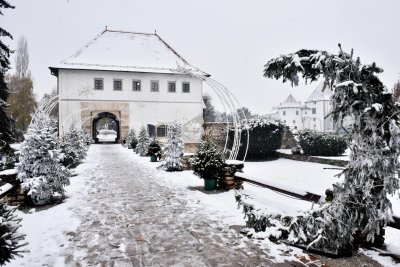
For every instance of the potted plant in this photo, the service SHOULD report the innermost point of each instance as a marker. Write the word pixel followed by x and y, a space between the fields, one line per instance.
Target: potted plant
pixel 208 164
pixel 154 150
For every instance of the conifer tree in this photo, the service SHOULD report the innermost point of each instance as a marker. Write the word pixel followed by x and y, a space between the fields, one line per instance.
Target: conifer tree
pixel 143 142
pixel 40 169
pixel 173 148
pixel 10 239
pixel 77 143
pixel 360 206
pixel 131 139
pixel 6 136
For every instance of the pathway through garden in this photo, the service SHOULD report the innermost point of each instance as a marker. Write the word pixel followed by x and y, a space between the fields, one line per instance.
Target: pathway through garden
pixel 128 218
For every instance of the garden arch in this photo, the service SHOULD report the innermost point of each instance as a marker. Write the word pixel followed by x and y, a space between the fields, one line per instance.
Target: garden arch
pixel 109 116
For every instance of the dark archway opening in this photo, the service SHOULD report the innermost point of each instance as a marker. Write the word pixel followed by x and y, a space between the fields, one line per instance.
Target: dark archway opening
pixel 106 128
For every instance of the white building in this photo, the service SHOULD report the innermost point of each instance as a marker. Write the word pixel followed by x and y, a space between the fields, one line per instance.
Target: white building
pixel 312 115
pixel 136 79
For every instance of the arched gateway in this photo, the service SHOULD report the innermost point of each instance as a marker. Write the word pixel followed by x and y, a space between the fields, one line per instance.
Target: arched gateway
pixel 134 78
pixel 105 121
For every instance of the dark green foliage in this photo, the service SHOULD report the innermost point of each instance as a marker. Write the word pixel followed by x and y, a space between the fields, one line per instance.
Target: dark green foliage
pixel 322 144
pixel 207 161
pixel 134 143
pixel 265 138
pixel 6 136
pixel 10 239
pixel 360 202
pixel 154 149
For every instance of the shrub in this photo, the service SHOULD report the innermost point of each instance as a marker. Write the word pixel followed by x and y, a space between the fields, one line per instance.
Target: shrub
pixel 154 149
pixel 207 161
pixel 265 138
pixel 322 144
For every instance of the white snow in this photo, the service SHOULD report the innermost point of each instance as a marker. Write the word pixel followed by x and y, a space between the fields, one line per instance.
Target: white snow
pixel 127 51
pixel 46 230
pixel 107 135
pixel 4 188
pixel 9 172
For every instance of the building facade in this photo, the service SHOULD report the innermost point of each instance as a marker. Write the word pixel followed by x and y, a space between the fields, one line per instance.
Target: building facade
pixel 136 79
pixel 314 114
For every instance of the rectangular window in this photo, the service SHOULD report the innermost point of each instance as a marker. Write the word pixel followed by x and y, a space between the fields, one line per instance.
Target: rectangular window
pixel 117 85
pixel 171 87
pixel 98 84
pixel 313 119
pixel 284 113
pixel 314 111
pixel 297 113
pixel 284 121
pixel 154 86
pixel 136 85
pixel 186 87
pixel 161 131
pixel 294 121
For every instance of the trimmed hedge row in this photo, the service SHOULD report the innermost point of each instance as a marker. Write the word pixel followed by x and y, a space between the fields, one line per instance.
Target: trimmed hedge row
pixel 265 138
pixel 322 144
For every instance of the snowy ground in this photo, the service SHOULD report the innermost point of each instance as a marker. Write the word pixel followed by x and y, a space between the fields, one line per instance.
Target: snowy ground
pixel 123 210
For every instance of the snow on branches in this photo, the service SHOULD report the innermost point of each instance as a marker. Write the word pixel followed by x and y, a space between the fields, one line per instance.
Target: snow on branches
pixel 40 171
pixel 143 142
pixel 360 205
pixel 173 148
pixel 10 239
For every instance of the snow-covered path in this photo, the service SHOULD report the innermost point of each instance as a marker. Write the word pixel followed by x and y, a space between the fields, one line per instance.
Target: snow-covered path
pixel 128 218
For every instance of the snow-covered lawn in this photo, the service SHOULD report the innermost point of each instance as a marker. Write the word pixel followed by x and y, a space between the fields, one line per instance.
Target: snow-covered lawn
pixel 47 230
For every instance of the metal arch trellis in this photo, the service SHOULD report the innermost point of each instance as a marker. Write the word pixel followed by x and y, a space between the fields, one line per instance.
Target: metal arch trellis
pixel 229 101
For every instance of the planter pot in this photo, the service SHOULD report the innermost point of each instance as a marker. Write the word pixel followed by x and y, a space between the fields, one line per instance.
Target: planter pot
pixel 153 158
pixel 210 184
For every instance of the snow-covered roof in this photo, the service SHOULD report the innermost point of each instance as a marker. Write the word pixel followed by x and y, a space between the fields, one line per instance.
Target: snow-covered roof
pixel 128 51
pixel 319 94
pixel 290 102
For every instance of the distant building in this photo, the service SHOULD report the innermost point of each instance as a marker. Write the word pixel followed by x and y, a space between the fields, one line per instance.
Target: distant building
pixel 312 115
pixel 136 79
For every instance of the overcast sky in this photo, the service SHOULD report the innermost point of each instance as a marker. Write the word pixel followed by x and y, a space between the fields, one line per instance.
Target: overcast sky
pixel 231 40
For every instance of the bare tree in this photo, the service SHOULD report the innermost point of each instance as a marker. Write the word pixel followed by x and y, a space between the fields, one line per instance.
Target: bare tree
pixel 22 58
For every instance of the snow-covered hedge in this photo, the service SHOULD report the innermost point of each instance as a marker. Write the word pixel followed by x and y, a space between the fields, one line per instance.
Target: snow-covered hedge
pixel 322 144
pixel 265 138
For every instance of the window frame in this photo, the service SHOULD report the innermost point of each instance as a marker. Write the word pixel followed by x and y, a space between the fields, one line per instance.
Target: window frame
pixel 102 84
pixel 314 111
pixel 183 87
pixel 122 84
pixel 169 83
pixel 154 82
pixel 163 128
pixel 134 83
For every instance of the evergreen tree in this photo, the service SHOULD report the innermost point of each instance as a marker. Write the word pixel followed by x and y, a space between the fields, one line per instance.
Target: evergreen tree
pixel 10 239
pixel 173 148
pixel 77 143
pixel 131 139
pixel 5 123
pixel 360 205
pixel 40 169
pixel 143 142
pixel 209 114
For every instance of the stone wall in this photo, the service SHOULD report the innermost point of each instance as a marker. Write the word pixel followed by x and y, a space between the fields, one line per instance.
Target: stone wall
pixel 215 132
